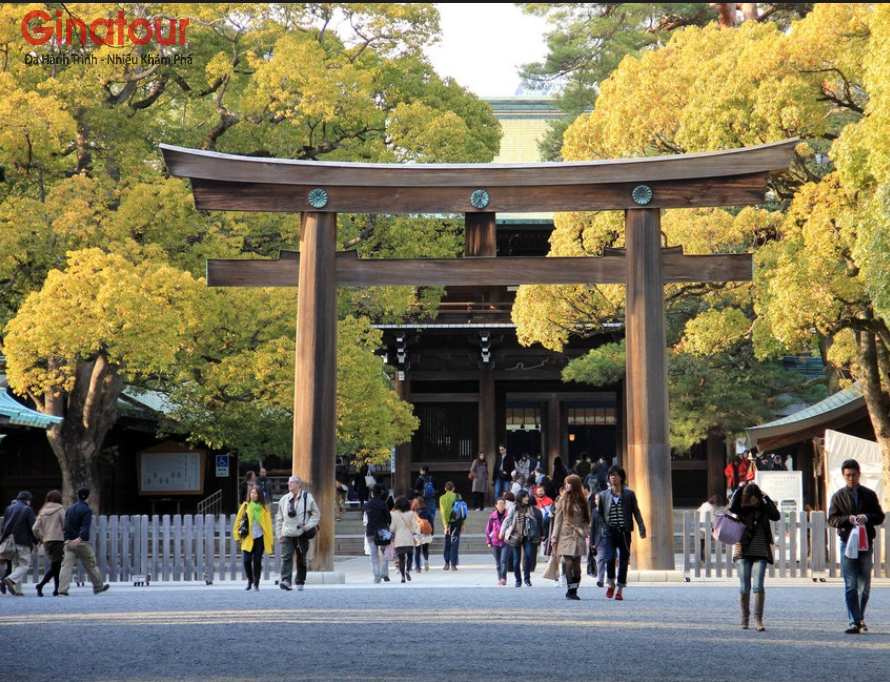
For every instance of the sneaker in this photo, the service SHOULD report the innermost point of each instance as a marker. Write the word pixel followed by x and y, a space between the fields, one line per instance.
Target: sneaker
pixel 600 583
pixel 286 586
pixel 862 626
pixel 518 584
pixel 427 568
pixel 100 590
pixel 528 583
pixel 403 580
pixel 610 592
pixel 385 578
pixel 852 630
pixel 446 567
pixel 619 596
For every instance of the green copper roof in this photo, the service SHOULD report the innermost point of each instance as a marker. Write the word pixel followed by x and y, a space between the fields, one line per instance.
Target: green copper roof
pixel 839 405
pixel 13 412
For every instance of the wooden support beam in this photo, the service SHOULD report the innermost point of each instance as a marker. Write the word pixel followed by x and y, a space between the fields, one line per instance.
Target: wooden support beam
pixel 648 432
pixel 315 383
pixel 482 271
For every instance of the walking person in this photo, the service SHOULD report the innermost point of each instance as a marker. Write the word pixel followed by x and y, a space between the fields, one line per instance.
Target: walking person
pixel 479 477
pixel 378 519
pixel 855 507
pixel 453 526
pixel 755 550
pixel 295 524
pixel 407 532
pixel 78 520
pixel 18 520
pixel 50 530
pixel 503 471
pixel 495 542
pixel 618 509
pixel 248 483
pixel 425 488
pixel 599 541
pixel 425 523
pixel 517 531
pixel 571 528
pixel 258 539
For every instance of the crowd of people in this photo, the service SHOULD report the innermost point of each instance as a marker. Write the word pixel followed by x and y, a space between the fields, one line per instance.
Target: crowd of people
pixel 563 516
pixel 65 535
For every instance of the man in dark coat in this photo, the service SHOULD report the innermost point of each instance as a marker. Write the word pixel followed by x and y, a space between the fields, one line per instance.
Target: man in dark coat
pixel 78 520
pixel 17 522
pixel 855 506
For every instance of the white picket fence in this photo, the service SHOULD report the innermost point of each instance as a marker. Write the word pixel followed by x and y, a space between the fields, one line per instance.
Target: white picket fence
pixel 805 547
pixel 190 548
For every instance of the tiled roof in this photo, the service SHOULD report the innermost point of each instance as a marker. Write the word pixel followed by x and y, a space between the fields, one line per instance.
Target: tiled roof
pixel 836 406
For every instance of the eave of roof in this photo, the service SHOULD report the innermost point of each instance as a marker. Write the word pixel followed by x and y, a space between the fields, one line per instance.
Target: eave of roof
pixel 841 408
pixel 19 415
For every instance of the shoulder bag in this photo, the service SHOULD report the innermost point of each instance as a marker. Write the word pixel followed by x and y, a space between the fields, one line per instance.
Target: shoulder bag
pixel 308 533
pixel 8 549
pixel 244 527
pixel 728 529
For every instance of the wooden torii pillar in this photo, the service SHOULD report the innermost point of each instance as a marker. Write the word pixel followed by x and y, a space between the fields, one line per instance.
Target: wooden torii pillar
pixel 640 187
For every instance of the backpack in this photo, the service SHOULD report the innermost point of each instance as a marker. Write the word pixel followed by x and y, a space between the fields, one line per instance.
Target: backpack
pixel 429 488
pixel 459 510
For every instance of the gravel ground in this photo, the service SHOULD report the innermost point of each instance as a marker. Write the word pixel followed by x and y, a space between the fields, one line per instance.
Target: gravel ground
pixel 447 626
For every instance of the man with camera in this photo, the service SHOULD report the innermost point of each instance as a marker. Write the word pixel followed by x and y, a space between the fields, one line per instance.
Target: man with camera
pixel 295 524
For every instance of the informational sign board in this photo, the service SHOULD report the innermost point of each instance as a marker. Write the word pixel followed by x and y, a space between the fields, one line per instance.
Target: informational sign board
pixel 785 488
pixel 167 473
pixel 222 466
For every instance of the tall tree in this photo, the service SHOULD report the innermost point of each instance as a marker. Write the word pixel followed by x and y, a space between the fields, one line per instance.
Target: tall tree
pixel 79 130
pixel 820 240
pixel 589 40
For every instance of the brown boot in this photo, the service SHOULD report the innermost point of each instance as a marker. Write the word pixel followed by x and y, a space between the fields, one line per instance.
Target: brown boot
pixel 759 598
pixel 745 605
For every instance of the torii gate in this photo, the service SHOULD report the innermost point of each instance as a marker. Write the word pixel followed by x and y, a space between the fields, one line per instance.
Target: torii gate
pixel 641 187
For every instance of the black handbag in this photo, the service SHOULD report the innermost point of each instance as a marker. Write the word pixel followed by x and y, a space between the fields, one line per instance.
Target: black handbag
pixel 244 528
pixel 383 537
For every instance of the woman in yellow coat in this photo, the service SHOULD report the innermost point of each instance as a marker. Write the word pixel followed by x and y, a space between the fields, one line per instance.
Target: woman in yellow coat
pixel 255 535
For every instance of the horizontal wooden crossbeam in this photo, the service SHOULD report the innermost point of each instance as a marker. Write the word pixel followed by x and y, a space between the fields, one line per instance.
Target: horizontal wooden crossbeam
pixel 506 271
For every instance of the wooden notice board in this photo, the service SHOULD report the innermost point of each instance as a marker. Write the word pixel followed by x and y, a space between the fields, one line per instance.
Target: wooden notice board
pixel 171 473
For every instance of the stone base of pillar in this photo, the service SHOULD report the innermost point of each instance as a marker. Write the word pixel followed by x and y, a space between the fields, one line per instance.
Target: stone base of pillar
pixel 655 577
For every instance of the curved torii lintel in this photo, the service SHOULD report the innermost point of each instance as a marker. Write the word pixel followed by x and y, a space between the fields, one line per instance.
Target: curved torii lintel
pixel 233 182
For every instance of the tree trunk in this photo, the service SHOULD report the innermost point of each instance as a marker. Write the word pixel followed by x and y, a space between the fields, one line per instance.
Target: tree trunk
pixel 877 400
pixel 89 411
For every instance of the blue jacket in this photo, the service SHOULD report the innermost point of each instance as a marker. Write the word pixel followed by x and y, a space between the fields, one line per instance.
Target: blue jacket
pixel 23 534
pixel 78 520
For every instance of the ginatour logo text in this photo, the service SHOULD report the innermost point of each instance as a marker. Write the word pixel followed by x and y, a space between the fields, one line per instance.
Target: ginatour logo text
pixel 117 31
